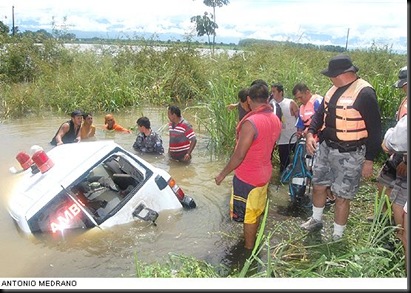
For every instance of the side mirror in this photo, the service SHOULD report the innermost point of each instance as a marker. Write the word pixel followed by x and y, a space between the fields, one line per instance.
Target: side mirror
pixel 144 213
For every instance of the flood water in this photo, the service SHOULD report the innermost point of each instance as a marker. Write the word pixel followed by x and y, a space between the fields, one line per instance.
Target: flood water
pixel 205 232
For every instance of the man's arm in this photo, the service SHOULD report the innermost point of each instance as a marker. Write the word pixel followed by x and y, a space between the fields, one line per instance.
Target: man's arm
pixel 137 145
pixel 78 138
pixel 317 119
pixel 367 105
pixel 395 139
pixel 64 128
pixel 118 127
pixel 92 131
pixel 232 106
pixel 295 111
pixel 245 139
pixel 193 142
pixel 158 147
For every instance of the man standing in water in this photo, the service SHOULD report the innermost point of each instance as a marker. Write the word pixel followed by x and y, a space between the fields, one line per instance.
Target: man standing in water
pixel 182 136
pixel 69 131
pixel 256 135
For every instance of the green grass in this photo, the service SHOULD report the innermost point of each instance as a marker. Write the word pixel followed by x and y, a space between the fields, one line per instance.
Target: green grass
pixel 284 250
pixel 36 79
pixel 50 77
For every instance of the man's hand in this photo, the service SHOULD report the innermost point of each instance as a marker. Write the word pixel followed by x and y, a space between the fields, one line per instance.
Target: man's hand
pixel 384 147
pixel 231 107
pixel 367 169
pixel 187 157
pixel 310 143
pixel 219 178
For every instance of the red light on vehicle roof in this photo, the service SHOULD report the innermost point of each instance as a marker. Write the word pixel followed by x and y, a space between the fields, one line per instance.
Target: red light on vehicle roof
pixel 42 161
pixel 24 159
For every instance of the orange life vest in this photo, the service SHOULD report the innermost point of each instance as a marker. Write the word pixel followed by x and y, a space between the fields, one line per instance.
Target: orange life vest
pixel 350 125
pixel 307 110
pixel 402 110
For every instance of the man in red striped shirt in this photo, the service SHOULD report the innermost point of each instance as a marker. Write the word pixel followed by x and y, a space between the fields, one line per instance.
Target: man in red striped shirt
pixel 182 136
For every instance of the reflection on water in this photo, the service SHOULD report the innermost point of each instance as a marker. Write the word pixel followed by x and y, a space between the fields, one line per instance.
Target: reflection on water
pixel 205 232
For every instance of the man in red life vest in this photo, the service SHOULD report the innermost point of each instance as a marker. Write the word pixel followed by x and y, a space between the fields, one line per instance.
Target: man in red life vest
pixel 309 103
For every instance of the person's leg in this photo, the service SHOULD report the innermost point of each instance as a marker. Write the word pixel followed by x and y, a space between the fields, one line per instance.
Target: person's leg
pixel 319 198
pixel 398 197
pixel 405 236
pixel 250 233
pixel 385 182
pixel 322 177
pixel 246 205
pixel 283 153
pixel 342 210
pixel 330 196
pixel 347 169
pixel 319 195
pixel 256 202
pixel 398 211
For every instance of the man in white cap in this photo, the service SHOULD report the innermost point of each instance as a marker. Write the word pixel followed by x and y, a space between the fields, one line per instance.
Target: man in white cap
pixel 348 123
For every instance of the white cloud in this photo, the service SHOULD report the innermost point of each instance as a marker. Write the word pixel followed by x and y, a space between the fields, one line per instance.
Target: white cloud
pixel 367 20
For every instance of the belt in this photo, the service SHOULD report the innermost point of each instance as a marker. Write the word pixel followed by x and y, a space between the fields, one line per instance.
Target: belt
pixel 345 147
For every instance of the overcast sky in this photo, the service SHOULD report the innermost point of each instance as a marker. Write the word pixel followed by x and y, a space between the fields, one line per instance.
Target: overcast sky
pixel 383 22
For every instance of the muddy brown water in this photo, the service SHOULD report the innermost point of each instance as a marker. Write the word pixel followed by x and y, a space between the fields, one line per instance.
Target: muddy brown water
pixel 205 232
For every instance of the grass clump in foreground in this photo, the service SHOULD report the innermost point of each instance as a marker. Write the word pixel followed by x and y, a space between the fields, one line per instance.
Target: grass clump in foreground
pixel 284 250
pixel 178 266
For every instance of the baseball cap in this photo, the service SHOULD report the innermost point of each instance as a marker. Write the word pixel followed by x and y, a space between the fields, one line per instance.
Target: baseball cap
pixel 402 78
pixel 76 113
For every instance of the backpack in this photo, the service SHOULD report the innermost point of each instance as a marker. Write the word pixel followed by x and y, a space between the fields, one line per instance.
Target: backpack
pixel 276 108
pixel 298 175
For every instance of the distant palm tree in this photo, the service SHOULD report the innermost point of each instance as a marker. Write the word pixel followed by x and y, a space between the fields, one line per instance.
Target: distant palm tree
pixel 4 29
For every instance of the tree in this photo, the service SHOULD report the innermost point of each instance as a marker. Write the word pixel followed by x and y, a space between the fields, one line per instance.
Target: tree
pixel 15 30
pixel 214 4
pixel 60 31
pixel 4 29
pixel 44 33
pixel 204 26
